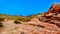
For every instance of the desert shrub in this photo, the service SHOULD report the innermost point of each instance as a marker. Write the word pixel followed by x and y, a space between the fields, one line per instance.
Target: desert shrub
pixel 1 24
pixel 16 22
pixel 24 19
pixel 1 19
pixel 22 33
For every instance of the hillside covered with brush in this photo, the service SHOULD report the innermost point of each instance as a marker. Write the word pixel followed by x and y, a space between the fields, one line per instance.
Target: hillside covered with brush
pixel 19 18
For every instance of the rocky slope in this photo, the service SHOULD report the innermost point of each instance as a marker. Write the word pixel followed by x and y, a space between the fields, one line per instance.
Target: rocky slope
pixel 49 23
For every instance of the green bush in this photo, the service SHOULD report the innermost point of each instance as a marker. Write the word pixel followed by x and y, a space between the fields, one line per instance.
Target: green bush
pixel 16 22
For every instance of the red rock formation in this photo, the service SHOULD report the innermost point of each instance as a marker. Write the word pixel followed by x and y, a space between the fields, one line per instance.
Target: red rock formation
pixel 50 20
pixel 55 8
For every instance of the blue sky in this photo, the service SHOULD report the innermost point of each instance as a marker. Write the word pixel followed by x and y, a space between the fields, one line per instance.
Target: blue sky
pixel 25 7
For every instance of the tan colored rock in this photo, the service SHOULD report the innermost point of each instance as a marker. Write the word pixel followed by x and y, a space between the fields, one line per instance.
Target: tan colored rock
pixel 8 21
pixel 26 29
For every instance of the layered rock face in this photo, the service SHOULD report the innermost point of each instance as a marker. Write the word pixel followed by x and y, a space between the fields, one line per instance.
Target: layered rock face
pixel 55 8
pixel 49 23
pixel 53 15
pixel 50 20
